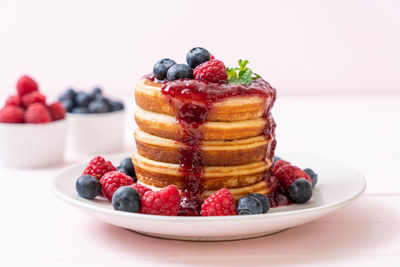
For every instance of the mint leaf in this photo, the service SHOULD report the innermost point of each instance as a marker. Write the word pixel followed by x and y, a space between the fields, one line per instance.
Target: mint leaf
pixel 242 74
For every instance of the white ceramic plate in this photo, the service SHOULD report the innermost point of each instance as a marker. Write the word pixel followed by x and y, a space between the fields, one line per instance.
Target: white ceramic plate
pixel 338 185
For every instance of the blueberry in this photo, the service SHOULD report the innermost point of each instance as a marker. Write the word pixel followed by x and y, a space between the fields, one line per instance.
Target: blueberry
pixel 264 201
pixel 128 166
pixel 276 159
pixel 196 56
pixel 82 99
pixel 120 169
pixel 68 94
pixel 88 186
pixel 300 191
pixel 96 93
pixel 161 67
pixel 126 199
pixel 313 176
pixel 99 106
pixel 68 104
pixel 79 110
pixel 179 71
pixel 250 205
pixel 116 105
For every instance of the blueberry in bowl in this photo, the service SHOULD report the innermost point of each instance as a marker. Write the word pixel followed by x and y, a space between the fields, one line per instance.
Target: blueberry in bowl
pixel 96 122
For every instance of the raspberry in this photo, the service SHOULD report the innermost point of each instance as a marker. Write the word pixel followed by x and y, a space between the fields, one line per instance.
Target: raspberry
pixel 33 97
pixel 163 202
pixel 213 71
pixel 13 100
pixel 111 181
pixel 212 56
pixel 25 85
pixel 37 113
pixel 280 163
pixel 221 203
pixel 287 174
pixel 12 114
pixel 141 189
pixel 97 167
pixel 57 111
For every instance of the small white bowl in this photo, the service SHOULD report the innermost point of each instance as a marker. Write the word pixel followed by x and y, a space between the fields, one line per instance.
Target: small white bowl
pixel 32 145
pixel 95 133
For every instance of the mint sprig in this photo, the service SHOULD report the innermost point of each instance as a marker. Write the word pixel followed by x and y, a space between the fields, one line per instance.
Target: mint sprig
pixel 242 74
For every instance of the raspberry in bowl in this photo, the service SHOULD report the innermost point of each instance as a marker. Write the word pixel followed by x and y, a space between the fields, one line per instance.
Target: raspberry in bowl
pixel 32 130
pixel 96 122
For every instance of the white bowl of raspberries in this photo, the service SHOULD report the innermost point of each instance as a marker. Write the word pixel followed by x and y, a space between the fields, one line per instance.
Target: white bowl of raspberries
pixel 96 122
pixel 32 131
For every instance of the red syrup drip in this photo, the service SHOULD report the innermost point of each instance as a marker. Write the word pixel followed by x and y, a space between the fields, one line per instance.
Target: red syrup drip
pixel 194 99
pixel 149 76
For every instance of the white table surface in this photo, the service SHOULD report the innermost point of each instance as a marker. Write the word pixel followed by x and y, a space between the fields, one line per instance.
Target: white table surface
pixel 37 229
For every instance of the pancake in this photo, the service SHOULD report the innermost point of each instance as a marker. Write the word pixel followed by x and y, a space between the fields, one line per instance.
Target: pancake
pixel 262 187
pixel 161 174
pixel 148 96
pixel 165 126
pixel 215 153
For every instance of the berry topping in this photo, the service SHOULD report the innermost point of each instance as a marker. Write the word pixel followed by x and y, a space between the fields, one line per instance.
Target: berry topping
pixel 88 186
pixel 279 163
pixel 242 74
pixel 99 106
pixel 221 203
pixel 161 68
pixel 33 97
pixel 163 202
pixel 97 167
pixel 264 201
pixel 12 114
pixel 111 181
pixel 25 85
pixel 13 100
pixel 57 111
pixel 141 189
pixel 120 169
pixel 196 56
pixel 37 113
pixel 253 204
pixel 300 191
pixel 313 176
pixel 179 71
pixel 128 166
pixel 287 174
pixel 126 198
pixel 212 71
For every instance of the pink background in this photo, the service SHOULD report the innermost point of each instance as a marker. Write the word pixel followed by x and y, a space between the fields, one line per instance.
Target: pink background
pixel 299 46
pixel 336 65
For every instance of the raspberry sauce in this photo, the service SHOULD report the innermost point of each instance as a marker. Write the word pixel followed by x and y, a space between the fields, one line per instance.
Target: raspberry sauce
pixel 194 100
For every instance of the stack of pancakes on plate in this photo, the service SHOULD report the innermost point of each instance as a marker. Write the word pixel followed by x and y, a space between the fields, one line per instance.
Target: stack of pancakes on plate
pixel 237 147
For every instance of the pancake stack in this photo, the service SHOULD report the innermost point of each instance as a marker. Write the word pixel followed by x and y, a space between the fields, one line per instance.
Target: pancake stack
pixel 236 147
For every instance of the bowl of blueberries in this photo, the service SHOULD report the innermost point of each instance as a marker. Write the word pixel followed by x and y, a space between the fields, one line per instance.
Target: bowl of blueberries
pixel 96 122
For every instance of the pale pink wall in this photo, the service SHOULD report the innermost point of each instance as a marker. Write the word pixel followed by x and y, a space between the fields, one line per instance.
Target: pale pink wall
pixel 313 46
